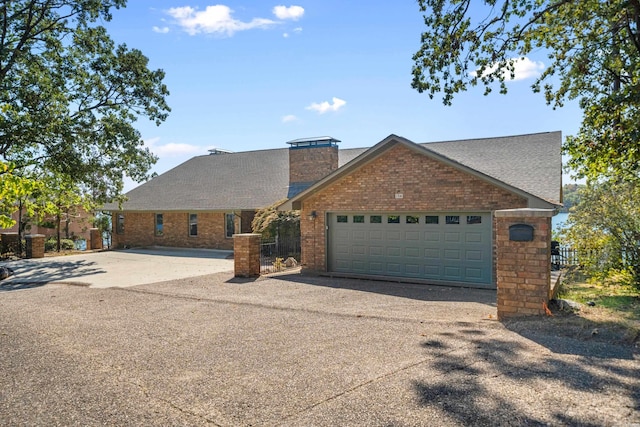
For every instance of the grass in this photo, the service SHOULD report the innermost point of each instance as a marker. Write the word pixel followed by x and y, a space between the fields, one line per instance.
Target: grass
pixel 610 308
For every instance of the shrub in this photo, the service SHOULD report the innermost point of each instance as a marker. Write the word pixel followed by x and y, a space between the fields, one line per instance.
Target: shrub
pixel 50 244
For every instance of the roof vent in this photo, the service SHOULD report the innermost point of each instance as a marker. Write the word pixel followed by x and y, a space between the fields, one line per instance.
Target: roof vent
pixel 216 151
pixel 318 141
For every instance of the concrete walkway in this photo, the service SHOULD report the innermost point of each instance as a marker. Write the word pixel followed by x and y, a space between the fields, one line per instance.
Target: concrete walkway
pixel 121 268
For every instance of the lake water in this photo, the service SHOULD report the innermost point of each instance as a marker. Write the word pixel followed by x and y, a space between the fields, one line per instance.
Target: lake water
pixel 559 220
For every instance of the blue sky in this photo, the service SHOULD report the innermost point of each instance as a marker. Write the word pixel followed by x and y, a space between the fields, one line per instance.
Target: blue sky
pixel 250 75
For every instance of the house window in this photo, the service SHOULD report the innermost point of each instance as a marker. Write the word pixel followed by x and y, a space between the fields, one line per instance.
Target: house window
pixel 159 225
pixel 474 219
pixel 193 224
pixel 412 219
pixel 431 219
pixel 393 219
pixel 358 219
pixel 452 219
pixel 375 219
pixel 342 218
pixel 120 224
pixel 229 224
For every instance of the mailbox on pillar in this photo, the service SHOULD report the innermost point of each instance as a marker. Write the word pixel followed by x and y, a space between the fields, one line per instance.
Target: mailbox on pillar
pixel 521 233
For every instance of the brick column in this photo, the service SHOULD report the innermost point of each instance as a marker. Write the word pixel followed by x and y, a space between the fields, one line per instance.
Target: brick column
pixel 523 266
pixel 35 245
pixel 9 242
pixel 246 254
pixel 95 235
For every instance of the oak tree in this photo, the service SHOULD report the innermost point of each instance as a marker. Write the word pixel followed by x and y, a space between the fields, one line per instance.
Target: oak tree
pixel 593 50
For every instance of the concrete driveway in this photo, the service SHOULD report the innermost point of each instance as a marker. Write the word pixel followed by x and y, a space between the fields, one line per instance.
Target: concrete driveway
pixel 121 268
pixel 298 351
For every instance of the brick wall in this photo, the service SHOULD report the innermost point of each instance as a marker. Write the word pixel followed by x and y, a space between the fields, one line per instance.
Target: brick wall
pixel 139 230
pixel 311 164
pixel 426 185
pixel 523 268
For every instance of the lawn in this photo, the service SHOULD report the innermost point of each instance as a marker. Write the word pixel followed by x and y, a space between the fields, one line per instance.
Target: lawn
pixel 610 310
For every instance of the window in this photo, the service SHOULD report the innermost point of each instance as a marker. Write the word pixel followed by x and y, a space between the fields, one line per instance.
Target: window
pixel 375 219
pixel 229 225
pixel 452 219
pixel 159 225
pixel 393 219
pixel 193 224
pixel 120 224
pixel 474 219
pixel 412 219
pixel 341 218
pixel 358 219
pixel 431 219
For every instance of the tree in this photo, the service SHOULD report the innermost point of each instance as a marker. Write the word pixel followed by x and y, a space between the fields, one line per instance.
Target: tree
pixel 69 97
pixel 272 223
pixel 605 229
pixel 594 52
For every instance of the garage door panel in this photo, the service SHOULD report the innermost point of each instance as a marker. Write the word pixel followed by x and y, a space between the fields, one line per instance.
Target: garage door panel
pixel 445 246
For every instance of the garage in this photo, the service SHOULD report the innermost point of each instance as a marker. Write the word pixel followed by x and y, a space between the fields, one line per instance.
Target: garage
pixel 452 247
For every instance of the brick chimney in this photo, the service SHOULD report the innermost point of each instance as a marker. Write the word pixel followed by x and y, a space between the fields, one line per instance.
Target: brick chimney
pixel 310 160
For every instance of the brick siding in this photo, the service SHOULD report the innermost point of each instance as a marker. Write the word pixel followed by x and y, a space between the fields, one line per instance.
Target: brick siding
pixel 311 164
pixel 426 185
pixel 139 230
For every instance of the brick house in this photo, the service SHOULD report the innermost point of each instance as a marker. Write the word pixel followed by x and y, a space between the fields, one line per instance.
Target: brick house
pixel 419 211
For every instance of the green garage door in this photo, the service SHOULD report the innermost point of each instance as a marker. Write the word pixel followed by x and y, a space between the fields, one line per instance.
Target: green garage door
pixel 443 247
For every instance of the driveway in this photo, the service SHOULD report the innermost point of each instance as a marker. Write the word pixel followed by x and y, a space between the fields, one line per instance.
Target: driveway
pixel 121 268
pixel 294 350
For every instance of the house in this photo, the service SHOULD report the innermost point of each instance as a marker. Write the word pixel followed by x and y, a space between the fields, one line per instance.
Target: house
pixel 402 209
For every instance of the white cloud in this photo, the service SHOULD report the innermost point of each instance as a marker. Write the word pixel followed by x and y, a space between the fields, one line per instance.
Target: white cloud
pixel 325 106
pixel 285 35
pixel 161 30
pixel 214 20
pixel 289 118
pixel 172 148
pixel 292 12
pixel 524 69
pixel 297 30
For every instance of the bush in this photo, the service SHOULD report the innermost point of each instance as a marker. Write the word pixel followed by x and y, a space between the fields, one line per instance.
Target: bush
pixel 50 244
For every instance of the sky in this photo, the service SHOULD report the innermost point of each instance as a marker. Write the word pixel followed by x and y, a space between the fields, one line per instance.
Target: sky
pixel 253 74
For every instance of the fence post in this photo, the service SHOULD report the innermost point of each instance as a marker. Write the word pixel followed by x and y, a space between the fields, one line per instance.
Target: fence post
pixel 246 254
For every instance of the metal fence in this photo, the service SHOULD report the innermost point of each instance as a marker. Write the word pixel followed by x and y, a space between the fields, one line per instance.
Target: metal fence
pixel 279 254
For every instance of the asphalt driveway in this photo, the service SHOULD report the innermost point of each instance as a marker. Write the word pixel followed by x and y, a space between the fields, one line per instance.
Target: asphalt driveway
pixel 296 350
pixel 121 268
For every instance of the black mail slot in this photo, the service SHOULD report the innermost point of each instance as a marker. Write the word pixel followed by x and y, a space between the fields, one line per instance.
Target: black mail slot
pixel 521 232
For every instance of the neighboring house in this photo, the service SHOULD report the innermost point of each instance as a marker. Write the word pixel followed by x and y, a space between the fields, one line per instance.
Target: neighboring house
pixel 422 211
pixel 77 227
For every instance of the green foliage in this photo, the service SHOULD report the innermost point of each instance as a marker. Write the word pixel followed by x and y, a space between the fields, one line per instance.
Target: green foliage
pixel 605 229
pixel 594 52
pixel 51 244
pixel 271 222
pixel 69 96
pixel 571 195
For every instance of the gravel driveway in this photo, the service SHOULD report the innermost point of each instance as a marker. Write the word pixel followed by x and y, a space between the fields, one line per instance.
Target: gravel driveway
pixel 295 350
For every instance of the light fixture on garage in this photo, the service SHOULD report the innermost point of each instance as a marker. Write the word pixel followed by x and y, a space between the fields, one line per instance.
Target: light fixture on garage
pixel 313 215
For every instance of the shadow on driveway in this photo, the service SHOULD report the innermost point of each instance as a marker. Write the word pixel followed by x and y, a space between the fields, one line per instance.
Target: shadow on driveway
pixel 404 290
pixel 34 273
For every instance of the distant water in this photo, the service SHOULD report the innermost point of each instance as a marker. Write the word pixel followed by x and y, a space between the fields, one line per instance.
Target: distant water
pixel 559 220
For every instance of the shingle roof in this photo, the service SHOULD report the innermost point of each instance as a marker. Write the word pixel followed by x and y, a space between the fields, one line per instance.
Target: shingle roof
pixel 255 179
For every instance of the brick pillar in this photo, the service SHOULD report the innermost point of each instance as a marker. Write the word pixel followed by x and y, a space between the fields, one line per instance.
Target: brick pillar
pixel 95 235
pixel 35 245
pixel 246 254
pixel 9 242
pixel 523 266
